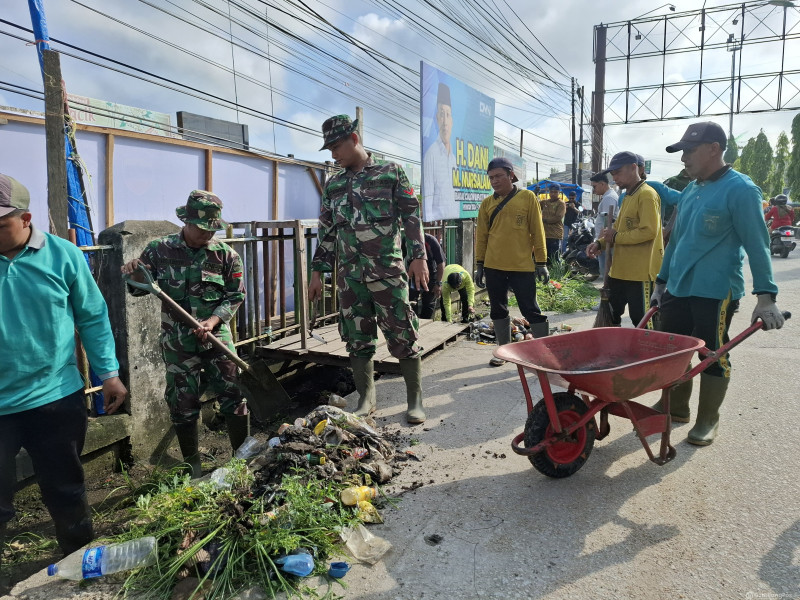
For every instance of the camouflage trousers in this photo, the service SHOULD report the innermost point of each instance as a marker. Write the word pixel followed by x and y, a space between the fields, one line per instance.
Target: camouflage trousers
pixel 194 369
pixel 365 306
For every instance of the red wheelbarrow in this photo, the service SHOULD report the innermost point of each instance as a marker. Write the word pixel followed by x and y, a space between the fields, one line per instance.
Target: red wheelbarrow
pixel 602 370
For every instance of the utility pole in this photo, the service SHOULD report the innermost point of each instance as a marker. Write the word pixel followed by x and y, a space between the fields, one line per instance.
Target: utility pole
pixel 580 142
pixel 360 129
pixel 598 105
pixel 574 165
pixel 521 133
pixel 54 144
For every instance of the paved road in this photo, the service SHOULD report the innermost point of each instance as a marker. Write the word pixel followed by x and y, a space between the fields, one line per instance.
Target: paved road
pixel 721 522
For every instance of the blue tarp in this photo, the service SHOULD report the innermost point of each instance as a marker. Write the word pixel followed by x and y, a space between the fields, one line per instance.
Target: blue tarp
pixel 566 188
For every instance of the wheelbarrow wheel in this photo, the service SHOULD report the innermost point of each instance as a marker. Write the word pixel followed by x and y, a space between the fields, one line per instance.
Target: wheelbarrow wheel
pixel 565 457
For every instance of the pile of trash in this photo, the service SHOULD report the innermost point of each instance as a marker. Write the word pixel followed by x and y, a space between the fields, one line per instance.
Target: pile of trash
pixel 274 514
pixel 483 331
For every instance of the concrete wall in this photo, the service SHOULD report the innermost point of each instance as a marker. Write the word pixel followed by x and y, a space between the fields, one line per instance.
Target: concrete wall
pixel 136 322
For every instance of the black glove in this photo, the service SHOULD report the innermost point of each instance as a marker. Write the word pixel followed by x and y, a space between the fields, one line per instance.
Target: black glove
pixel 479 276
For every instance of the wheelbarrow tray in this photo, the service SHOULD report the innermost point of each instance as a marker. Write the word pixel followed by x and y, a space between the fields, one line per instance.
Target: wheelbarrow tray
pixel 612 363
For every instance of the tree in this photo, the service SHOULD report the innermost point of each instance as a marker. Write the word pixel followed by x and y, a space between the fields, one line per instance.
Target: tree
pixel 793 171
pixel 731 151
pixel 777 180
pixel 757 159
pixel 746 157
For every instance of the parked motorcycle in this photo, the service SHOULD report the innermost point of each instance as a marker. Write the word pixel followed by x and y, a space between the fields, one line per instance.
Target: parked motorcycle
pixel 580 236
pixel 781 240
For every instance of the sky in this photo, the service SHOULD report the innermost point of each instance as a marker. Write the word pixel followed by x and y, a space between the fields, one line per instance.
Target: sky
pixel 288 65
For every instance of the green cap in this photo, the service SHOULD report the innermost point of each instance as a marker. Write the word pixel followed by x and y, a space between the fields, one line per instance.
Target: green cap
pixel 203 209
pixel 13 195
pixel 336 128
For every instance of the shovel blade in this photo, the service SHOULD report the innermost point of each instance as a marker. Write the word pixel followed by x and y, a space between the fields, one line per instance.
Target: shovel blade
pixel 265 395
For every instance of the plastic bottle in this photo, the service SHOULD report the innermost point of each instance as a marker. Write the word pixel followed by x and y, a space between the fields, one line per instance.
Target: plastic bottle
pixel 103 560
pixel 350 496
pixel 250 447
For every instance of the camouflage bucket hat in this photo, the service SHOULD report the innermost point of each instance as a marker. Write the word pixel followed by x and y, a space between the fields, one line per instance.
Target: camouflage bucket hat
pixel 336 128
pixel 203 209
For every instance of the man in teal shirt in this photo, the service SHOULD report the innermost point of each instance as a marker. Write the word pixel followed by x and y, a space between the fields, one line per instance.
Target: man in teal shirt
pixel 46 293
pixel 701 279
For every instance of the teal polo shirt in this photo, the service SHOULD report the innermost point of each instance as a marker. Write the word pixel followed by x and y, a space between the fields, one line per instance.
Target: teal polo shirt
pixel 46 293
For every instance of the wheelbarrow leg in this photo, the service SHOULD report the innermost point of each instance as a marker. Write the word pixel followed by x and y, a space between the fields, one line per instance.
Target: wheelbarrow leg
pixel 650 422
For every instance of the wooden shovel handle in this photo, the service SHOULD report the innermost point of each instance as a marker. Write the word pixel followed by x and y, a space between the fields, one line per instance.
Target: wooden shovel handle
pixel 177 309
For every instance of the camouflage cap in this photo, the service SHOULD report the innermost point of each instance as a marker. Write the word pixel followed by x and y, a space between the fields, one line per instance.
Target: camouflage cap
pixel 336 128
pixel 203 209
pixel 13 195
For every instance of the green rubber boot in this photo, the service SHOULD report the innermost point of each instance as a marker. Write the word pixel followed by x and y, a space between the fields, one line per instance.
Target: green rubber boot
pixel 188 440
pixel 411 368
pixel 679 403
pixel 364 378
pixel 712 393
pixel 238 427
pixel 502 334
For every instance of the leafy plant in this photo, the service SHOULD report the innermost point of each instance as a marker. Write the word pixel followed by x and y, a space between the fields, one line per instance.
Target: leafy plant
pixel 231 537
pixel 563 293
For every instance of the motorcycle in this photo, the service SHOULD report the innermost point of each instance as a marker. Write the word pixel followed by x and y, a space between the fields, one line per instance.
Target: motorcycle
pixel 580 236
pixel 781 240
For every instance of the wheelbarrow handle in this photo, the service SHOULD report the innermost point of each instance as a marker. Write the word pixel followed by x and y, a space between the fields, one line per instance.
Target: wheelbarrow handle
pixel 710 356
pixel 152 287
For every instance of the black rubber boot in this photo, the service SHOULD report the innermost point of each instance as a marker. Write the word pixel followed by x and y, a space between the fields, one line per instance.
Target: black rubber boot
pixel 238 427
pixel 679 403
pixel 411 368
pixel 364 378
pixel 540 330
pixel 74 526
pixel 712 394
pixel 502 334
pixel 188 440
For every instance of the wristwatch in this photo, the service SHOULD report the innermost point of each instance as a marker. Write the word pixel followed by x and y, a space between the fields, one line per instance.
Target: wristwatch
pixel 439 283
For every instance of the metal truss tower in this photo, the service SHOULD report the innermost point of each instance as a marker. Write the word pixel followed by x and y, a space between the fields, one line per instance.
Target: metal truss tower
pixel 684 65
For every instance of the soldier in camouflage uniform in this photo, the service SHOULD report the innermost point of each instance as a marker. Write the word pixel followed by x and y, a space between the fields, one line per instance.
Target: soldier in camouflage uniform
pixel 204 276
pixel 364 207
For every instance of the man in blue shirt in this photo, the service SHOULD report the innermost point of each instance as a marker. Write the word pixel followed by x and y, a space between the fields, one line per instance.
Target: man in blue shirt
pixel 701 279
pixel 46 293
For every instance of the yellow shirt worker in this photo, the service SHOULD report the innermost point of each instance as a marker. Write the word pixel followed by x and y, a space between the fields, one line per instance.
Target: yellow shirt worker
pixel 637 241
pixel 509 228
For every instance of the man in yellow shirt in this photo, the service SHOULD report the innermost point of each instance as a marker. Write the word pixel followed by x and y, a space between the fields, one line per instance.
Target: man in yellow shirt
pixel 509 226
pixel 553 211
pixel 636 237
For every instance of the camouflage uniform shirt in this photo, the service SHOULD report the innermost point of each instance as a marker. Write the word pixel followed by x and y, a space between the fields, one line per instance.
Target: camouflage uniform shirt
pixel 362 214
pixel 204 281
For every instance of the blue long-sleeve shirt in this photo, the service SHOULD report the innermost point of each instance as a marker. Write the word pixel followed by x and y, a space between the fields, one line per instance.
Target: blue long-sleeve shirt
pixel 46 292
pixel 718 221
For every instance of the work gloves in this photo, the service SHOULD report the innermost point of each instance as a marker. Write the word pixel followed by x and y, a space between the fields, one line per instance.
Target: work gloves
pixel 542 274
pixel 768 312
pixel 658 291
pixel 479 276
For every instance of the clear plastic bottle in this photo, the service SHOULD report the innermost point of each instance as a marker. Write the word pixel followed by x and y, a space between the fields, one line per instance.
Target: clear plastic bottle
pixel 104 560
pixel 352 495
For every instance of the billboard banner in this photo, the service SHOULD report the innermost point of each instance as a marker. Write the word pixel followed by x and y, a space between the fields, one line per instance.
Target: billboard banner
pixel 457 140
pixel 103 113
pixel 520 164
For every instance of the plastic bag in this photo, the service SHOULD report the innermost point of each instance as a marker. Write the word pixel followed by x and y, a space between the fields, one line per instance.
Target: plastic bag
pixel 296 564
pixel 363 545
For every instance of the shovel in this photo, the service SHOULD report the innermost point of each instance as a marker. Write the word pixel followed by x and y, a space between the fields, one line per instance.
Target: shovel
pixel 262 389
pixel 313 324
